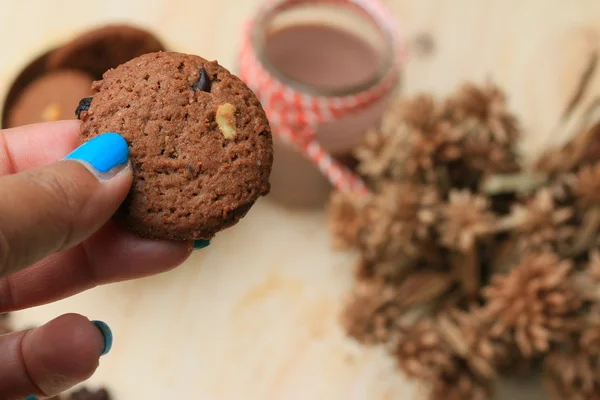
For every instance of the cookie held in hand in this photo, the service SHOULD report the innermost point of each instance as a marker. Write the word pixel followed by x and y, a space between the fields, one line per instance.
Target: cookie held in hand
pixel 200 143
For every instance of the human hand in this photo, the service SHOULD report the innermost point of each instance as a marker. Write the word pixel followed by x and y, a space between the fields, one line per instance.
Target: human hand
pixel 56 239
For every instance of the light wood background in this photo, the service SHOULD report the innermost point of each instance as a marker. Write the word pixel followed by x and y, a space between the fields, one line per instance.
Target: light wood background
pixel 254 316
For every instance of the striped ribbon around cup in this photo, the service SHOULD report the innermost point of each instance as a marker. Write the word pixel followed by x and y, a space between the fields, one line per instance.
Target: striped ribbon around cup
pixel 295 115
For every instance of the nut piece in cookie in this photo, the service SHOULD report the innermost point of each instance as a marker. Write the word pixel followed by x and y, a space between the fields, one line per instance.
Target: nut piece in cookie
pixel 225 118
pixel 200 143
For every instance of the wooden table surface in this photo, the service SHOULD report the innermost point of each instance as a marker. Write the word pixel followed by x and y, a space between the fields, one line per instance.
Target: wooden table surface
pixel 254 316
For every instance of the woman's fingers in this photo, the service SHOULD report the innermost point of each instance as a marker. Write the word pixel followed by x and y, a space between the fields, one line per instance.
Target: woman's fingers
pixel 52 358
pixel 52 208
pixel 111 255
pixel 36 145
pixel 47 207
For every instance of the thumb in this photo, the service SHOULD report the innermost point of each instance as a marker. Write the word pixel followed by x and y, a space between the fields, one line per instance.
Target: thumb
pixel 52 208
pixel 52 358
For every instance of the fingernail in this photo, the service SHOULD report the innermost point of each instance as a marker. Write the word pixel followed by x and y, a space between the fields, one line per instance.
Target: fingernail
pixel 200 244
pixel 103 153
pixel 108 336
pixel 32 397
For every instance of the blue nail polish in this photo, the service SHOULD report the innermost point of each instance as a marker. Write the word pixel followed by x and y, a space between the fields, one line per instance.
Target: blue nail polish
pixel 108 336
pixel 103 152
pixel 32 397
pixel 200 244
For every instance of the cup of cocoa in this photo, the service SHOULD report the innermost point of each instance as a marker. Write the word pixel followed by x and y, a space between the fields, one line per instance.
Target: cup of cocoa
pixel 49 87
pixel 325 71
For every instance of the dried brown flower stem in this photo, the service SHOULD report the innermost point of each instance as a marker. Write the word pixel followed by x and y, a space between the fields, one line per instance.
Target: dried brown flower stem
pixel 582 87
pixel 522 183
pixel 467 269
pixel 582 149
pixel 586 236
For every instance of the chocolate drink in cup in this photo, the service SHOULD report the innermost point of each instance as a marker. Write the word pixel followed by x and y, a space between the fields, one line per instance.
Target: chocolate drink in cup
pixel 326 60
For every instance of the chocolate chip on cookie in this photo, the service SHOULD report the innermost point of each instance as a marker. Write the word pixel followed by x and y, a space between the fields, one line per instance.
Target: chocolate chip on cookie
pixel 203 81
pixel 84 105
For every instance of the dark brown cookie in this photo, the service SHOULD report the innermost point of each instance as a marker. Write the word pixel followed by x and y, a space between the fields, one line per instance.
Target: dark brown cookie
pixel 51 97
pixel 200 143
pixel 86 394
pixel 104 48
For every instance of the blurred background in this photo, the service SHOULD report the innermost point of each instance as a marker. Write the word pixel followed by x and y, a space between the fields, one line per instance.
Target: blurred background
pixel 256 315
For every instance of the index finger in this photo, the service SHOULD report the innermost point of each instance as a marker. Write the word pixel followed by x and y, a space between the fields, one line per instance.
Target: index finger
pixel 34 145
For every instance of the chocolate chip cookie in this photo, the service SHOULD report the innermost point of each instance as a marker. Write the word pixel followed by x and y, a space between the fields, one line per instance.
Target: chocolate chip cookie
pixel 200 143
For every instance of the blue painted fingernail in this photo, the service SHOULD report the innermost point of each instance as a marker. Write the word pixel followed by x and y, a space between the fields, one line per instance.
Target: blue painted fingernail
pixel 103 152
pixel 108 336
pixel 32 397
pixel 200 244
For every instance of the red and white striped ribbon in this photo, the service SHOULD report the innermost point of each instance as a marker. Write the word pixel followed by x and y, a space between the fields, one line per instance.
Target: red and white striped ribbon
pixel 294 115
